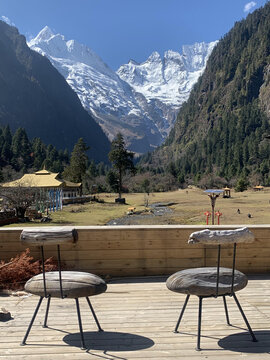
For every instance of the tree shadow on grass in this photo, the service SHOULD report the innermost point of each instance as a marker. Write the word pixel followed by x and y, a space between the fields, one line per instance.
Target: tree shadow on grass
pixel 242 342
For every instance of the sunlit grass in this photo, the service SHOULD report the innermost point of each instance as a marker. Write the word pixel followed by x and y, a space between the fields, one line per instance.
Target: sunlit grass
pixel 188 208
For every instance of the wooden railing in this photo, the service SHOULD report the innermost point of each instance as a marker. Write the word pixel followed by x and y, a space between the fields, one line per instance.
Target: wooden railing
pixel 145 250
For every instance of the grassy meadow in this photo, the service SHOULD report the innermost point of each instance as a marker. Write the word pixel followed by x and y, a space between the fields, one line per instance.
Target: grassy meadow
pixel 188 207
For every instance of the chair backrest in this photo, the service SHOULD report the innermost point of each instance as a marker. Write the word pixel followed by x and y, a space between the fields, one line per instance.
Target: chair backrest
pixel 220 237
pixel 49 236
pixel 242 235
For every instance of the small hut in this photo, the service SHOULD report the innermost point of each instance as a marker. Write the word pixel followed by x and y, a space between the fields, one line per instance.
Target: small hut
pixel 226 192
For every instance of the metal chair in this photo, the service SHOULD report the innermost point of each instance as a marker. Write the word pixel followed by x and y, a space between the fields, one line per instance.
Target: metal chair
pixel 60 284
pixel 212 281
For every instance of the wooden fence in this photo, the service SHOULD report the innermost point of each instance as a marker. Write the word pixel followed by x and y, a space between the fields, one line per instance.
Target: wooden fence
pixel 145 250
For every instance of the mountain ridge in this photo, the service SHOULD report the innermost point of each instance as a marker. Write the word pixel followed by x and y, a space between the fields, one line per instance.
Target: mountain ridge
pixel 178 72
pixel 33 95
pixel 221 131
pixel 116 104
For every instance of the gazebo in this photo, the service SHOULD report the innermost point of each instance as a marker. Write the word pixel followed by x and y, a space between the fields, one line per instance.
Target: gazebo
pixel 50 190
pixel 226 192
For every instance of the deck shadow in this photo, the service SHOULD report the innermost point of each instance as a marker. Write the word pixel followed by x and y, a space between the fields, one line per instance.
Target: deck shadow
pixel 109 341
pixel 242 342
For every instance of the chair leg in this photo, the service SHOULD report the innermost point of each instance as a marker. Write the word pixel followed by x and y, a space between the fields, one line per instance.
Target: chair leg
pixel 83 347
pixel 181 314
pixel 32 321
pixel 244 317
pixel 47 312
pixel 94 315
pixel 198 348
pixel 226 310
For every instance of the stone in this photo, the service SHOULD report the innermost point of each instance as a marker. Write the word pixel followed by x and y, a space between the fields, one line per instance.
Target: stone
pixel 75 284
pixel 202 281
pixel 120 200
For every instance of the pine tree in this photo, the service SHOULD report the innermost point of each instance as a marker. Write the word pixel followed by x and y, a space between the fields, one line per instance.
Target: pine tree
pixel 121 159
pixel 78 162
pixel 6 153
pixel 21 149
pixel 112 180
pixel 92 169
pixel 242 184
pixel 39 153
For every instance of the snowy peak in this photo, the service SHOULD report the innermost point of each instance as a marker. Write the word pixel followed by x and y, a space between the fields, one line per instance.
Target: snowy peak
pixel 46 42
pixel 140 100
pixel 196 55
pixel 173 63
pixel 131 61
pixel 170 79
pixel 154 57
pixel 45 34
pixel 56 47
pixel 136 74
pixel 173 56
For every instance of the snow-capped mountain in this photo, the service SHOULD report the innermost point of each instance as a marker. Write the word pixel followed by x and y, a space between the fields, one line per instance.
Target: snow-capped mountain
pixel 171 78
pixel 139 100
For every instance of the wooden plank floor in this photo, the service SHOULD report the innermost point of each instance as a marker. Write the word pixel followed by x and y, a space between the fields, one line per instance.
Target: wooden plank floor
pixel 138 316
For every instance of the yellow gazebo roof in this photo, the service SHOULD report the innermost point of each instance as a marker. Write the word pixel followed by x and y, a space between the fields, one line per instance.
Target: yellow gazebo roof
pixel 42 178
pixel 71 184
pixel 44 172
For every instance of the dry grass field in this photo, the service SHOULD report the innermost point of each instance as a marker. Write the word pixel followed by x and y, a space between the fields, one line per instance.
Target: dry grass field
pixel 188 207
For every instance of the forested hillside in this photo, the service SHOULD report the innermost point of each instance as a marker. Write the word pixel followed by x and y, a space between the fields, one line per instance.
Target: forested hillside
pixel 34 96
pixel 19 155
pixel 221 130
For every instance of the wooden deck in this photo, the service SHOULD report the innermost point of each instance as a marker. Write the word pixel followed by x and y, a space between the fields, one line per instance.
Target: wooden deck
pixel 138 316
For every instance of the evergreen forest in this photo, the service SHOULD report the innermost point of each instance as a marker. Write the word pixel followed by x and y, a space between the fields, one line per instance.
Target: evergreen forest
pixel 220 135
pixel 19 155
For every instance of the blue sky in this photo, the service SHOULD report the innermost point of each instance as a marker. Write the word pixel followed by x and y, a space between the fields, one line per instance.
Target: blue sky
pixel 119 30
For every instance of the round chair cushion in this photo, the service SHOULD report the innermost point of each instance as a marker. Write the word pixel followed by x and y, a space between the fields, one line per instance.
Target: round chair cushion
pixel 202 281
pixel 75 284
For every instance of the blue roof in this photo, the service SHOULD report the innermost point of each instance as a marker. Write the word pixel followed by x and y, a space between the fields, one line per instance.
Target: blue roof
pixel 213 191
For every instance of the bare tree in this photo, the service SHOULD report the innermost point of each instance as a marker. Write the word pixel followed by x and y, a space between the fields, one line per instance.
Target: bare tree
pixel 18 197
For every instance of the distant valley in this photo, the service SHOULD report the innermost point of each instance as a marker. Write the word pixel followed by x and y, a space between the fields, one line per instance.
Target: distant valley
pixel 204 112
pixel 139 100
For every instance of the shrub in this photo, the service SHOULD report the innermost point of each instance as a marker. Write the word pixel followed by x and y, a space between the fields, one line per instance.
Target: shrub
pixel 15 272
pixel 241 185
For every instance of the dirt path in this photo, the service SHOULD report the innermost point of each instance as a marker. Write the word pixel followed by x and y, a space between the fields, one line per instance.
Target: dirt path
pixel 157 209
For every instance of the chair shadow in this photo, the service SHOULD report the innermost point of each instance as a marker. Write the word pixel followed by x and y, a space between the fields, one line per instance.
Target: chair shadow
pixel 109 341
pixel 242 342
